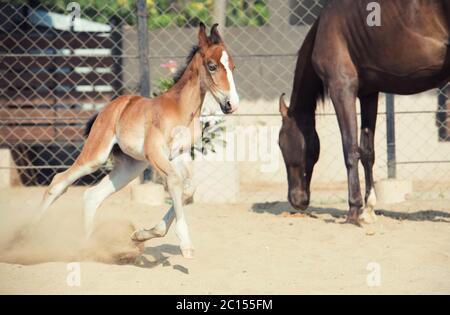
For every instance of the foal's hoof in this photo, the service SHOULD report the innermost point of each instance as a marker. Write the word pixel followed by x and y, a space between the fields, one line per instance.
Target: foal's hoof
pixel 138 236
pixel 187 253
pixel 188 194
pixel 141 235
pixel 187 200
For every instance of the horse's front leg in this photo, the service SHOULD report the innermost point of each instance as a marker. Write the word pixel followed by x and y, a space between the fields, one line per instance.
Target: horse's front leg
pixel 158 155
pixel 181 165
pixel 159 230
pixel 343 94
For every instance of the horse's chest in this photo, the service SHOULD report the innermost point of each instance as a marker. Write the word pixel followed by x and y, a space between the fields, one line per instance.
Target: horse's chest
pixel 183 138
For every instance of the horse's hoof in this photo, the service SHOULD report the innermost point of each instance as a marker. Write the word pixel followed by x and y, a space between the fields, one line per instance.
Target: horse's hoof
pixel 143 235
pixel 187 200
pixel 354 221
pixel 368 217
pixel 140 235
pixel 187 253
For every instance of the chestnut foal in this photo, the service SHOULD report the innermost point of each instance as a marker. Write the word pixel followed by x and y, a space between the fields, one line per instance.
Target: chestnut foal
pixel 140 131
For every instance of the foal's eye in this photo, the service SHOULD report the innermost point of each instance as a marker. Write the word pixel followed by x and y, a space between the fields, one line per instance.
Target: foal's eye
pixel 212 67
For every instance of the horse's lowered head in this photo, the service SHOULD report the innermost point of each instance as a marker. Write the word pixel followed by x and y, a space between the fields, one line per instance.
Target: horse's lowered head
pixel 217 70
pixel 300 146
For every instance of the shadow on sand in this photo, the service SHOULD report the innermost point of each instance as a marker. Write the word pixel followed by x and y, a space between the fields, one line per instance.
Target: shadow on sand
pixel 157 253
pixel 278 208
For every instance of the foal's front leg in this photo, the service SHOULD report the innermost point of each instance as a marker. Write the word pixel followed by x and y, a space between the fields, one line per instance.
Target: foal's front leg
pixel 160 230
pixel 175 187
pixel 157 154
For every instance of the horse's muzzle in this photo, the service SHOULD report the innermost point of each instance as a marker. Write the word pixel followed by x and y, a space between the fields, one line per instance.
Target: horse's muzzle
pixel 299 199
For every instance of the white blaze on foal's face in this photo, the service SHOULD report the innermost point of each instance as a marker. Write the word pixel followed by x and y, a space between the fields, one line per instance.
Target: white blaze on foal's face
pixel 219 68
pixel 232 93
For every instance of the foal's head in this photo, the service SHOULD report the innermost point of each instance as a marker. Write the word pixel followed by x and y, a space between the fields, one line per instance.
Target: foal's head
pixel 217 70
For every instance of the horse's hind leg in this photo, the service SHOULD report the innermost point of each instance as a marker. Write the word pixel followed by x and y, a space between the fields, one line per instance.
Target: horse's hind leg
pixel 95 152
pixel 369 109
pixel 59 186
pixel 125 169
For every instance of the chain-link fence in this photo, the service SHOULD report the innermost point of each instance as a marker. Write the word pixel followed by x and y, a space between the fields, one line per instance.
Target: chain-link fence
pixel 60 63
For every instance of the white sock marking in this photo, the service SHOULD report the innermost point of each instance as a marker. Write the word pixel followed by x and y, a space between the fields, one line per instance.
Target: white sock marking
pixel 372 200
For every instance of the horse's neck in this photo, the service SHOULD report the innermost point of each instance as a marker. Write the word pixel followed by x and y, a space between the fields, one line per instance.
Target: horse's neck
pixel 306 120
pixel 188 92
pixel 304 106
pixel 190 99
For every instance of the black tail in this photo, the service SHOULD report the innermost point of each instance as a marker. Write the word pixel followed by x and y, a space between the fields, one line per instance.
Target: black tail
pixel 89 124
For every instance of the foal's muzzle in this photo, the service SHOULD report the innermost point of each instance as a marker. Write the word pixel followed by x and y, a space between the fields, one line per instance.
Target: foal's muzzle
pixel 227 107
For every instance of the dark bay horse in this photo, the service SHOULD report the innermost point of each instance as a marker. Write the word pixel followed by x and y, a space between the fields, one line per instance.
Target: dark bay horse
pixel 342 54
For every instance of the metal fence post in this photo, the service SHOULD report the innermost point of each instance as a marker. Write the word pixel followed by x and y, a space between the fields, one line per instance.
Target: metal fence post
pixel 390 136
pixel 116 35
pixel 442 114
pixel 144 68
pixel 219 14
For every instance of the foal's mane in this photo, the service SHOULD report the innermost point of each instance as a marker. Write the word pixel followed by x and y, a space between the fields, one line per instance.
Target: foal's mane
pixel 183 68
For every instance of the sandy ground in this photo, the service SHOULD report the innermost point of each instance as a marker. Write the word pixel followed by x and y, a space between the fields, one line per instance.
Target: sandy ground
pixel 244 248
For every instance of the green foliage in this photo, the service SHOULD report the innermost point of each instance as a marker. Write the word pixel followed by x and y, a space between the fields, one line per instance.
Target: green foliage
pixel 165 13
pixel 243 13
pixel 196 12
pixel 163 84
pixel 212 129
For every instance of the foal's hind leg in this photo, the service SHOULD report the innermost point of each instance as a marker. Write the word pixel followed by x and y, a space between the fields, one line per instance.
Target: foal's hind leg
pixel 125 169
pixel 369 109
pixel 95 152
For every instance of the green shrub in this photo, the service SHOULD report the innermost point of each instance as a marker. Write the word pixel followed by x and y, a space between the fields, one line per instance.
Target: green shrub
pixel 165 13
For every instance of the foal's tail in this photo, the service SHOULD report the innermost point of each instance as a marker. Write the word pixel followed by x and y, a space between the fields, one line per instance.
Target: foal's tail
pixel 89 124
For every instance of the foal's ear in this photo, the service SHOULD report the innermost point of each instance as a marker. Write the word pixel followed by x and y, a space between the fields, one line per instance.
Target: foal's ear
pixel 215 37
pixel 202 37
pixel 284 110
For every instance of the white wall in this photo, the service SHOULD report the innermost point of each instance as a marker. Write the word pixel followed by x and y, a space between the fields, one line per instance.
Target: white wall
pixel 416 138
